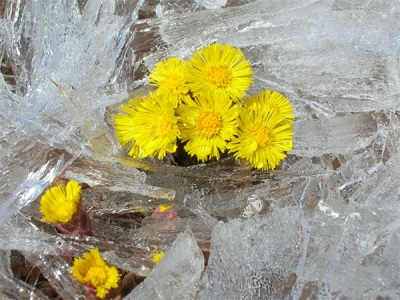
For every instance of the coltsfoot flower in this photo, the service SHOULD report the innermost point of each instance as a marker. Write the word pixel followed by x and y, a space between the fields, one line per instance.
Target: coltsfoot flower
pixel 124 128
pixel 164 213
pixel 273 100
pixel 163 207
pixel 207 123
pixel 170 78
pixel 93 272
pixel 60 204
pixel 220 67
pixel 264 136
pixel 157 255
pixel 155 126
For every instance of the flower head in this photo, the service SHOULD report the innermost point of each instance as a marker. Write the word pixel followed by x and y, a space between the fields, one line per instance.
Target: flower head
pixel 170 78
pixel 157 255
pixel 61 203
pixel 273 100
pixel 124 128
pixel 164 213
pixel 163 207
pixel 156 128
pixel 220 67
pixel 207 123
pixel 92 270
pixel 264 135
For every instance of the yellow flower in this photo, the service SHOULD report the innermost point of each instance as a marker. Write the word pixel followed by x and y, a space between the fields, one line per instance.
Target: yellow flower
pixel 170 78
pixel 164 213
pixel 156 128
pixel 124 127
pixel 157 255
pixel 163 208
pixel 93 270
pixel 264 135
pixel 274 101
pixel 207 123
pixel 61 203
pixel 220 67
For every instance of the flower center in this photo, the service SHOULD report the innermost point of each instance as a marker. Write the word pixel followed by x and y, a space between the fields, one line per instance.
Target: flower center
pixel 96 275
pixel 171 83
pixel 208 124
pixel 219 76
pixel 164 127
pixel 261 135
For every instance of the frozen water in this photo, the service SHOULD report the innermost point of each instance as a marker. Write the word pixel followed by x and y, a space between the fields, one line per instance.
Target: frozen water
pixel 12 288
pixel 211 4
pixel 344 249
pixel 177 275
pixel 271 243
pixel 326 225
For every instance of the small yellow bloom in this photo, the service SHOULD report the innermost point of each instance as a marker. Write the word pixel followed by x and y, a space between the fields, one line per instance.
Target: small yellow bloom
pixel 220 67
pixel 60 203
pixel 263 138
pixel 93 270
pixel 170 78
pixel 157 255
pixel 207 123
pixel 163 208
pixel 124 128
pixel 273 101
pixel 164 213
pixel 156 128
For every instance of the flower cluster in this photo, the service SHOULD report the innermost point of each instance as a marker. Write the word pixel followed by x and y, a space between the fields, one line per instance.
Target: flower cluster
pixel 202 103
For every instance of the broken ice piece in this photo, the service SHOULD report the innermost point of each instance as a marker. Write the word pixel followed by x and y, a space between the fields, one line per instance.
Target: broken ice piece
pixel 177 275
